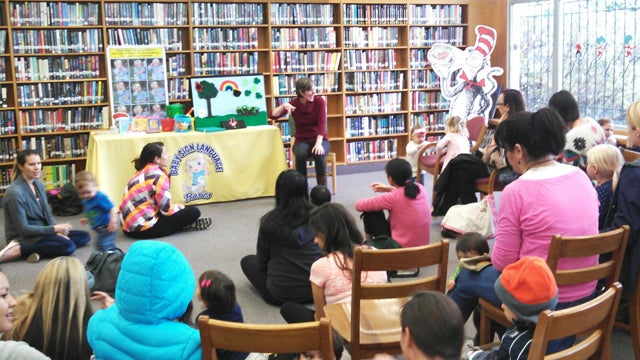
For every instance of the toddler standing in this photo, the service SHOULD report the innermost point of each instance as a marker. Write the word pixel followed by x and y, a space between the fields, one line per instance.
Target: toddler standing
pixel 456 140
pixel 98 211
pixel 414 147
pixel 604 163
pixel 218 294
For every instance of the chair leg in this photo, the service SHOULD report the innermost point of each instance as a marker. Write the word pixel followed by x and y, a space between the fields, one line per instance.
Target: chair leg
pixel 634 320
pixel 334 174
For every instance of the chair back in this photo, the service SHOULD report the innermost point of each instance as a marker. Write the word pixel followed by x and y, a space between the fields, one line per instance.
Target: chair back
pixel 593 321
pixel 477 129
pixel 380 304
pixel 630 155
pixel 614 242
pixel 265 338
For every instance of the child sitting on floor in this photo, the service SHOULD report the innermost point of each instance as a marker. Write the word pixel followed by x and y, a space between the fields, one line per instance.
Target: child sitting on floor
pixel 472 250
pixel 414 147
pixel 526 288
pixel 604 163
pixel 218 294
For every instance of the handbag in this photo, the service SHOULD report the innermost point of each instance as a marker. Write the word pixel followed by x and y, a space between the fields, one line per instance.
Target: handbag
pixel 475 217
pixel 494 156
pixel 104 265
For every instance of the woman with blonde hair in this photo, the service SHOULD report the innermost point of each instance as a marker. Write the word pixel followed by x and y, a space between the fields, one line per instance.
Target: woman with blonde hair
pixel 53 318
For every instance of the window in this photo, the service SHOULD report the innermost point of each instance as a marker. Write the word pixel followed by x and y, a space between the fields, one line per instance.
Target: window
pixel 589 47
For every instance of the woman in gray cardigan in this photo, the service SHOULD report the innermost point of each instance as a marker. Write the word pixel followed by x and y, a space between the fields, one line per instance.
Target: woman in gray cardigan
pixel 29 227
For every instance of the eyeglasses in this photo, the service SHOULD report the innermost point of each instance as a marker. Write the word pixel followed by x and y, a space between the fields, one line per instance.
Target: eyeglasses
pixel 500 104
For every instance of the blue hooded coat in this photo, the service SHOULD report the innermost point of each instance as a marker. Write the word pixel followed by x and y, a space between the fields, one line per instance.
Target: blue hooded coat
pixel 155 286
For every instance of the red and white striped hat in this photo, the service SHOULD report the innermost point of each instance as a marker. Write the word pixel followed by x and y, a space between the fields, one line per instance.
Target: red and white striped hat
pixel 485 40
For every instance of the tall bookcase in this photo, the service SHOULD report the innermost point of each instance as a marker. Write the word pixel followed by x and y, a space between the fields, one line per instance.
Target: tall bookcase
pixel 367 59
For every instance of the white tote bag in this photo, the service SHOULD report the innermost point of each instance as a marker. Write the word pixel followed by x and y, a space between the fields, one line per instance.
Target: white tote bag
pixel 477 217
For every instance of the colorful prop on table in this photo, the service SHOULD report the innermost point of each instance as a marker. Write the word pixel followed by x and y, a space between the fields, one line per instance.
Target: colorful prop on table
pixel 233 124
pixel 467 78
pixel 182 123
pixel 218 99
pixel 122 121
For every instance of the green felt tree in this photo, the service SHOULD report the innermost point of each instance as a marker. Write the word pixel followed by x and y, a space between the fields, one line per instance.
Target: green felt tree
pixel 207 91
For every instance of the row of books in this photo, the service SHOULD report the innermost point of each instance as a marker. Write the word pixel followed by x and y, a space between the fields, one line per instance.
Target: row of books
pixel 56 41
pixel 369 59
pixel 212 13
pixel 432 121
pixel 225 38
pixel 225 63
pixel 371 36
pixel 375 125
pixel 301 14
pixel 58 147
pixel 435 14
pixel 169 38
pixel 284 131
pixel 6 176
pixel 303 38
pixel 178 89
pixel 428 100
pixel 374 81
pixel 59 93
pixel 418 58
pixel 145 14
pixel 421 79
pixel 8 149
pixel 7 123
pixel 323 83
pixel 301 61
pixel 374 14
pixel 54 14
pixel 57 68
pixel 61 120
pixel 372 150
pixel 4 100
pixel 3 41
pixel 55 176
pixel 373 103
pixel 177 64
pixel 427 36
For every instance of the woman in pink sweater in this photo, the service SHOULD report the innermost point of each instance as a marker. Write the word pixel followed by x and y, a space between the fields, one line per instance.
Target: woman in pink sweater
pixel 547 199
pixel 409 220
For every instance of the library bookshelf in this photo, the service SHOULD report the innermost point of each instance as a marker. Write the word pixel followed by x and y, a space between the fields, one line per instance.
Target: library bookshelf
pixel 367 59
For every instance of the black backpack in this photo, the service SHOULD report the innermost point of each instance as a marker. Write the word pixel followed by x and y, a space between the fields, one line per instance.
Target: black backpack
pixel 65 201
pixel 104 265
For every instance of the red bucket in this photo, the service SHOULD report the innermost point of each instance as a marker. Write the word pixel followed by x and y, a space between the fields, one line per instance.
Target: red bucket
pixel 168 124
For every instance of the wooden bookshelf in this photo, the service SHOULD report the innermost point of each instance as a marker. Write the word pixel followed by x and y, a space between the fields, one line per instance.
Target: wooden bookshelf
pixel 367 59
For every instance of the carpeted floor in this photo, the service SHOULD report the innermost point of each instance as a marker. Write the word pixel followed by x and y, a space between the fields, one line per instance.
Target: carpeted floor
pixel 233 235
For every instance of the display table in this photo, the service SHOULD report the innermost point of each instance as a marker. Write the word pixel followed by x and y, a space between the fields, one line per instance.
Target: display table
pixel 204 167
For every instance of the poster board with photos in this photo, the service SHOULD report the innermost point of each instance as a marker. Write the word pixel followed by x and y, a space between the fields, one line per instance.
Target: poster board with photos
pixel 138 83
pixel 218 99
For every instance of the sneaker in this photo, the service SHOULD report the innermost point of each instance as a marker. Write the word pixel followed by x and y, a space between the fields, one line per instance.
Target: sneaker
pixel 200 224
pixel 33 258
pixel 403 273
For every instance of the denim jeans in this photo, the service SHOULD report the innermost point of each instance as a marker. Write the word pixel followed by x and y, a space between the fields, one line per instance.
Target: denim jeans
pixel 104 239
pixel 472 285
pixel 53 245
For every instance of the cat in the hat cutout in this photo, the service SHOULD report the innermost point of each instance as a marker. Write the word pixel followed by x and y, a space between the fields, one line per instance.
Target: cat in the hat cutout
pixel 467 78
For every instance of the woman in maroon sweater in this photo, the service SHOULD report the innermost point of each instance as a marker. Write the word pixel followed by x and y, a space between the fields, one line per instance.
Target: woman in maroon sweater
pixel 308 128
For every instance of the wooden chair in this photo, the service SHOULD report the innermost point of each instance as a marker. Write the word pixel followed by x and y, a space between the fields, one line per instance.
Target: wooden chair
pixel 593 321
pixel 265 338
pixel 614 242
pixel 630 155
pixel 488 185
pixel 331 171
pixel 431 162
pixel 370 323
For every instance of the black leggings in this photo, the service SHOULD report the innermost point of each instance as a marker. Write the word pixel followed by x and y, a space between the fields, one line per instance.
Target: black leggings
pixel 461 188
pixel 258 278
pixel 167 225
pixel 296 313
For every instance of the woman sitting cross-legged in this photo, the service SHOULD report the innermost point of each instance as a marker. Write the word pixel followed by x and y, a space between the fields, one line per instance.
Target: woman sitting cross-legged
pixel 285 251
pixel 336 233
pixel 29 226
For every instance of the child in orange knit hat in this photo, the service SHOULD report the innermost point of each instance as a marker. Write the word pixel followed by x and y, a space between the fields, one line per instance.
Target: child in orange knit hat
pixel 526 288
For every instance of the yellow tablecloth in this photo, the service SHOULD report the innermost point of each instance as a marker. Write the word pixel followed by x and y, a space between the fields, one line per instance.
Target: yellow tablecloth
pixel 204 167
